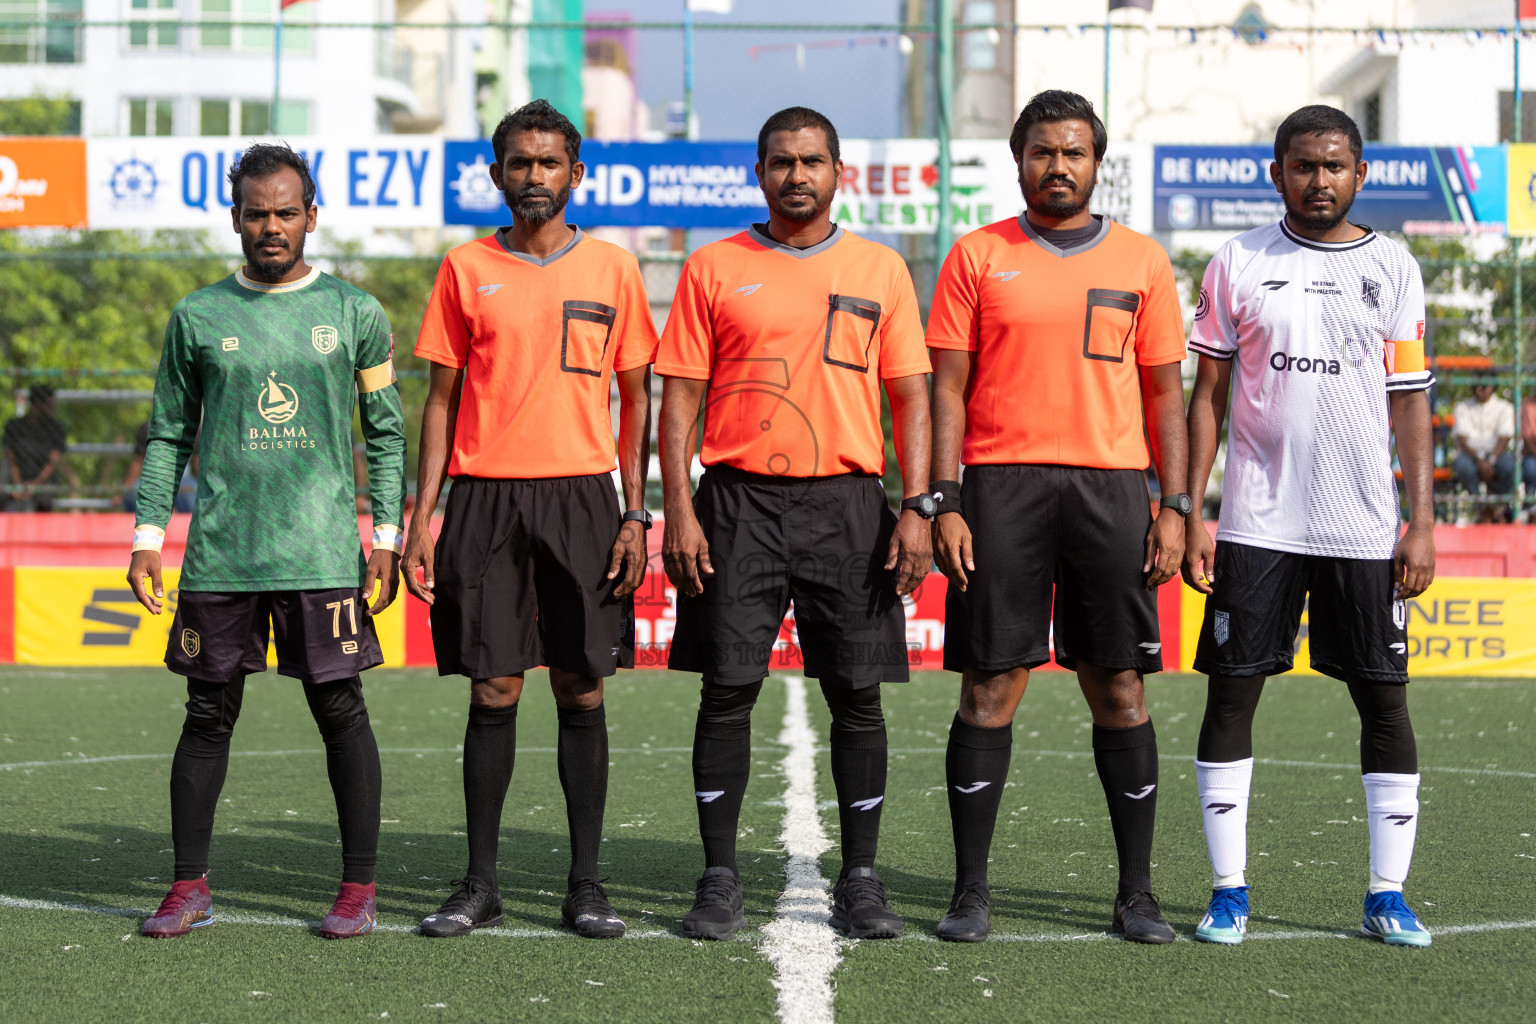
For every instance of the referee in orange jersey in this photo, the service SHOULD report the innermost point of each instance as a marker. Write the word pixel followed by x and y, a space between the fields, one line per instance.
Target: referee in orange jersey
pixel 1056 341
pixel 785 333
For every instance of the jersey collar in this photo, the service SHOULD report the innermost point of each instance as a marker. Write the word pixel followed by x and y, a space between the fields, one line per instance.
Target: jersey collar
pixel 538 261
pixel 1038 239
pixel 287 286
pixel 759 234
pixel 1307 243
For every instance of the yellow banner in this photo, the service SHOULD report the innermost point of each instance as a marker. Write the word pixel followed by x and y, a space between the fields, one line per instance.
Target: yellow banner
pixel 1461 626
pixel 1522 190
pixel 90 617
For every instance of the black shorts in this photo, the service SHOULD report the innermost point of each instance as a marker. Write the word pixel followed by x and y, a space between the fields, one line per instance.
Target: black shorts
pixel 321 635
pixel 1034 527
pixel 1356 628
pixel 521 579
pixel 819 542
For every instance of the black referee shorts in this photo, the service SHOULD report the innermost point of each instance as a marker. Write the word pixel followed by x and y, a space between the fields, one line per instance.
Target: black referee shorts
pixel 1356 627
pixel 819 542
pixel 321 635
pixel 1080 531
pixel 521 579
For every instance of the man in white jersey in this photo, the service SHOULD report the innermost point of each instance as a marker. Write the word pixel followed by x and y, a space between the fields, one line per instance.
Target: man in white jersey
pixel 1315 328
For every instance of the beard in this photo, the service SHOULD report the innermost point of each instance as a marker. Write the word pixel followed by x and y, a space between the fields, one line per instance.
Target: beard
pixel 1321 221
pixel 1059 207
pixel 802 215
pixel 270 270
pixel 536 215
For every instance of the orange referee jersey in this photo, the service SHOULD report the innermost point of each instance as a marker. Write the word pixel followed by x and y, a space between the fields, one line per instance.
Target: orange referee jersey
pixel 1057 337
pixel 794 344
pixel 538 340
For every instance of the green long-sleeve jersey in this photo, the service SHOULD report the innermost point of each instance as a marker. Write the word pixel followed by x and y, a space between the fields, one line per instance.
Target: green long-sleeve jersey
pixel 262 378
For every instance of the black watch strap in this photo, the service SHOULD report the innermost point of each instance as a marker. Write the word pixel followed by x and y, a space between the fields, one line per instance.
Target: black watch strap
pixel 637 515
pixel 923 504
pixel 1180 503
pixel 947 494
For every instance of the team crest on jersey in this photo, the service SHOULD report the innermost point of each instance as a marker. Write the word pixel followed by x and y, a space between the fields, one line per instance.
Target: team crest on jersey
pixel 324 340
pixel 1370 293
pixel 191 643
pixel 1203 307
pixel 1223 628
pixel 276 402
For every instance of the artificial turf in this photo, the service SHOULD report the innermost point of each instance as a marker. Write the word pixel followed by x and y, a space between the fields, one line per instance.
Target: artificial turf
pixel 86 833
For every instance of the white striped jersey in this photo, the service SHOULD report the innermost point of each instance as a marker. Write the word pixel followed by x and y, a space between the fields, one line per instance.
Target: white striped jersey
pixel 1320 333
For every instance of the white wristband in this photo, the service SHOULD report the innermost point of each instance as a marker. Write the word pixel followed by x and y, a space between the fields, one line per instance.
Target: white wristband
pixel 148 538
pixel 388 537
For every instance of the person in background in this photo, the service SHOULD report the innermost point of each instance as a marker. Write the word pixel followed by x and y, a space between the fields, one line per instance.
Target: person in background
pixel 1485 426
pixel 1528 442
pixel 34 449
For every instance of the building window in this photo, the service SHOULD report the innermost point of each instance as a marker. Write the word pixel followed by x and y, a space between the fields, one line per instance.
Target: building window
pixel 151 117
pixel 297 22
pixel 153 25
pixel 1507 116
pixel 213 117
pixel 55 43
pixel 250 117
pixel 978 48
pixel 1370 117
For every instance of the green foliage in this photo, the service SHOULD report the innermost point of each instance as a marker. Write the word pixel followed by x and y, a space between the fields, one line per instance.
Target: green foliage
pixel 40 114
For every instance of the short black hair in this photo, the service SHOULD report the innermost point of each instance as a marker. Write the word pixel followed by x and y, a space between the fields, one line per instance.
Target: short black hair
pixel 1317 119
pixel 40 393
pixel 261 159
pixel 1052 106
pixel 792 119
pixel 538 116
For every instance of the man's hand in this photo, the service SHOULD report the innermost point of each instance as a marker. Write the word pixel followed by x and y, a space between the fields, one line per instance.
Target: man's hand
pixel 419 554
pixel 627 562
pixel 1485 470
pixel 952 548
pixel 685 554
pixel 1165 548
pixel 146 563
pixel 910 553
pixel 383 569
pixel 1413 562
pixel 1199 556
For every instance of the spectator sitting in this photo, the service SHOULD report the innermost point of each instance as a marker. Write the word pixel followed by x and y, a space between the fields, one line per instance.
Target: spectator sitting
pixel 1485 426
pixel 1528 442
pixel 34 447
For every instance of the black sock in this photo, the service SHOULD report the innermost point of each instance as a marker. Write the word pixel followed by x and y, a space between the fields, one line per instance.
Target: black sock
pixel 198 769
pixel 490 742
pixel 858 768
pixel 352 762
pixel 722 764
pixel 1127 763
pixel 583 757
pixel 975 769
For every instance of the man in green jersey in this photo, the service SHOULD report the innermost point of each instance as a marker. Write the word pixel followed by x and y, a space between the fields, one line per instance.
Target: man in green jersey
pixel 270 362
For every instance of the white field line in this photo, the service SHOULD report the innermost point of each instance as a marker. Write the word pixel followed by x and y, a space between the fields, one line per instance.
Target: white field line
pixel 803 950
pixel 1019 752
pixel 272 920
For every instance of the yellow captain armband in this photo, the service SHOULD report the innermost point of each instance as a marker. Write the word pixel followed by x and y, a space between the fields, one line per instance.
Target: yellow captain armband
pixel 148 538
pixel 376 378
pixel 388 537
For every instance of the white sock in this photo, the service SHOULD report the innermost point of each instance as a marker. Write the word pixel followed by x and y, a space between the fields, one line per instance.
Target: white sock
pixel 1224 809
pixel 1392 811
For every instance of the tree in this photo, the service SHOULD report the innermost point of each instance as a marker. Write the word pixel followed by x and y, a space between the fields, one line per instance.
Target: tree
pixel 40 114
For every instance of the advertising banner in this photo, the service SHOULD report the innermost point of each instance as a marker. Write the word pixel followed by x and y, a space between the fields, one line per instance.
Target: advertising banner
pixel 73 616
pixel 1418 190
pixel 888 185
pixel 627 184
pixel 1522 189
pixel 384 181
pixel 42 183
pixel 1466 626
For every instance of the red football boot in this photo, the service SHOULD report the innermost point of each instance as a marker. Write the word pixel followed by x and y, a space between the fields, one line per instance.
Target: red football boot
pixel 188 905
pixel 354 912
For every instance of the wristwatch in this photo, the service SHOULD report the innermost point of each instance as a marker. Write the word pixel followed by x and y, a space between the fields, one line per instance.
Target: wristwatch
pixel 922 504
pixel 637 515
pixel 1180 503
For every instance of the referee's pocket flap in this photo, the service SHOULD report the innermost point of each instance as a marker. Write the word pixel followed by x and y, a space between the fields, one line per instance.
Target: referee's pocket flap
pixel 851 325
pixel 1108 323
pixel 585 328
